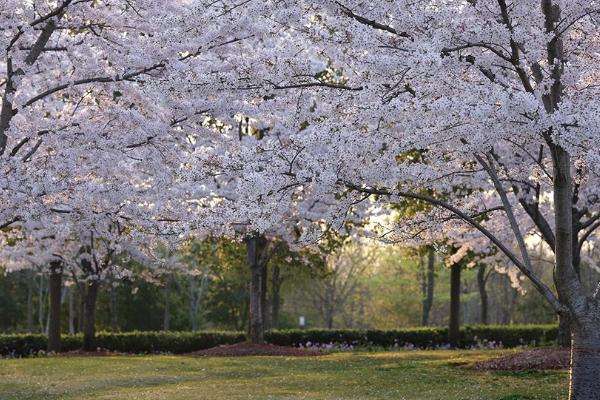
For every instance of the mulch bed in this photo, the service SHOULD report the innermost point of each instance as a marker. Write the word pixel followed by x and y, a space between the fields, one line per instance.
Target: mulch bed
pixel 249 349
pixel 529 360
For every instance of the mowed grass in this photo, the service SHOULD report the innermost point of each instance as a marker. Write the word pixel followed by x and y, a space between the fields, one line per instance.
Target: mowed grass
pixel 427 375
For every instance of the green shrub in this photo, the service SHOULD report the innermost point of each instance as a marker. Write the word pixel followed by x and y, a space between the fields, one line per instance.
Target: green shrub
pixel 20 345
pixel 504 335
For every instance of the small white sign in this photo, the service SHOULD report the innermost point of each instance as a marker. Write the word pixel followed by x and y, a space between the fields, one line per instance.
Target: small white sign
pixel 302 321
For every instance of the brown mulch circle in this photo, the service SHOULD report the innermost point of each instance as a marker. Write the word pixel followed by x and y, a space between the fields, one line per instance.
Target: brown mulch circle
pixel 249 349
pixel 529 360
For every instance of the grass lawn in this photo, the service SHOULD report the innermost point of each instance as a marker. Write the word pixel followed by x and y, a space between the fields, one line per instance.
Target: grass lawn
pixel 427 375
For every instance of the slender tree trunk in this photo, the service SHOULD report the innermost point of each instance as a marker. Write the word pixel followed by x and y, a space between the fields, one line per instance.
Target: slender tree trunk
pixel 71 311
pixel 167 309
pixel 114 316
pixel 41 303
pixel 483 295
pixel 329 318
pixel 275 296
pixel 80 305
pixel 454 325
pixel 89 316
pixel 30 289
pixel 264 288
pixel 193 304
pixel 429 280
pixel 55 292
pixel 255 247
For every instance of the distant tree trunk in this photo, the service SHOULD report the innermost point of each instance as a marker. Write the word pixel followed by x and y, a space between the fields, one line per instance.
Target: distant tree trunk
pixel 89 316
pixel 114 316
pixel 454 325
pixel 255 248
pixel 30 289
pixel 264 288
pixel 80 305
pixel 72 316
pixel 428 286
pixel 275 296
pixel 55 292
pixel 483 296
pixel 329 318
pixel 167 309
pixel 41 304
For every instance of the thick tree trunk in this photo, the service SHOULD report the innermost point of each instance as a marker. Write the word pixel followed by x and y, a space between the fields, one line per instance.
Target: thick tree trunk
pixel 483 296
pixel 55 292
pixel 429 284
pixel 563 338
pixel 275 296
pixel 454 325
pixel 255 247
pixel 89 316
pixel 585 360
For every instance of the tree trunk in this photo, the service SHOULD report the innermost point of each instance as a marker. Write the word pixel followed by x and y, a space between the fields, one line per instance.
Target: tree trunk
pixel 89 316
pixel 41 303
pixel 429 286
pixel 483 296
pixel 167 309
pixel 263 296
pixel 585 360
pixel 55 291
pixel 80 305
pixel 30 289
pixel 563 338
pixel 114 317
pixel 71 311
pixel 275 296
pixel 255 247
pixel 454 325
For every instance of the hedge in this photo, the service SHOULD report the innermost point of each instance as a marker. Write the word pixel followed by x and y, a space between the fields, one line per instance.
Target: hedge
pixel 18 345
pixel 500 335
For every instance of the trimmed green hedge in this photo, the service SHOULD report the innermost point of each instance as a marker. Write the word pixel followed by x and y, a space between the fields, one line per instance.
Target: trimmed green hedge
pixel 504 335
pixel 18 345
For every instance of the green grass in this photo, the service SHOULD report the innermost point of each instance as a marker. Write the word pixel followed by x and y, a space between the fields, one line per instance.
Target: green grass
pixel 405 375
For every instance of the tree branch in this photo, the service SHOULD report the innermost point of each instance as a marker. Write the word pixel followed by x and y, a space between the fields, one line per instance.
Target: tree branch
pixel 540 286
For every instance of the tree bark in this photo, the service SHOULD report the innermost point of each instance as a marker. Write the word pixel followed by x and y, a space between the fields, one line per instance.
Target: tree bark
pixel 114 316
pixel 275 296
pixel 429 285
pixel 563 337
pixel 55 292
pixel 167 309
pixel 30 289
pixel 89 316
pixel 80 305
pixel 71 311
pixel 454 325
pixel 263 296
pixel 255 248
pixel 483 296
pixel 585 358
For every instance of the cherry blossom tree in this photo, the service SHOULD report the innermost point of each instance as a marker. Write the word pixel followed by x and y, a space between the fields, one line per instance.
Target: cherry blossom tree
pixel 478 108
